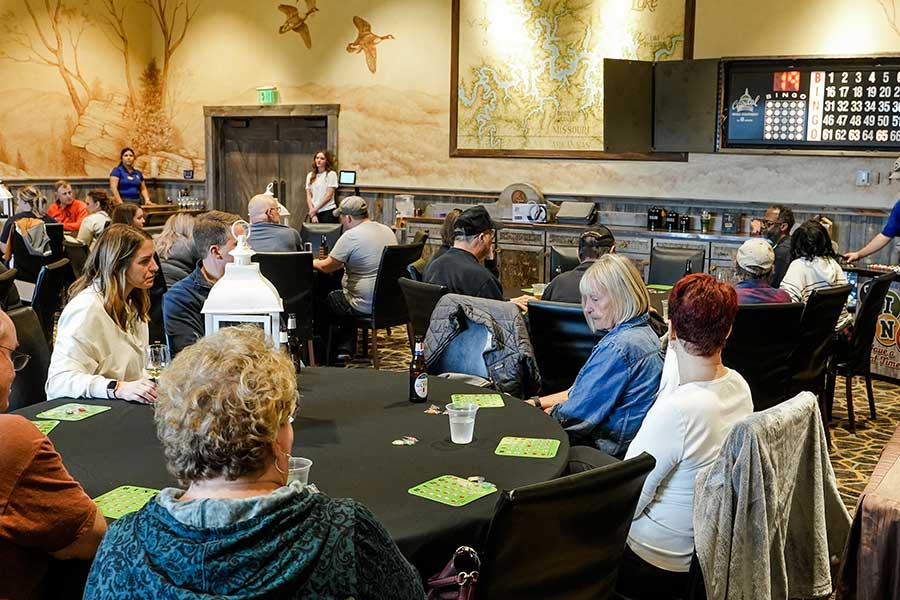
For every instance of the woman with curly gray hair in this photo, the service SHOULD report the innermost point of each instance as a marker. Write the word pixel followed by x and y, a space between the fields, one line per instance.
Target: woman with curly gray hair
pixel 239 530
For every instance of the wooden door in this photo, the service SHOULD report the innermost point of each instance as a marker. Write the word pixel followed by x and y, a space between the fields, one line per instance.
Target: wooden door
pixel 260 150
pixel 299 140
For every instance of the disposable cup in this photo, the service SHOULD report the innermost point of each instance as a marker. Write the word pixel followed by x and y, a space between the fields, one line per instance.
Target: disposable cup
pixel 298 469
pixel 462 421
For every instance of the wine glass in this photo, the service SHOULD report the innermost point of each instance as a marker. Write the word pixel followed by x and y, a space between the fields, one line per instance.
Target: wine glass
pixel 157 358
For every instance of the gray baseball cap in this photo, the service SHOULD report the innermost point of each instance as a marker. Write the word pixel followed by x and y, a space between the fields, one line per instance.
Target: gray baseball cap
pixel 352 206
pixel 756 256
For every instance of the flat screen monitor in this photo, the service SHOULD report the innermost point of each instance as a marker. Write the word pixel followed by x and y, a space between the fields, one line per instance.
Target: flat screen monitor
pixel 347 178
pixel 562 259
pixel 311 233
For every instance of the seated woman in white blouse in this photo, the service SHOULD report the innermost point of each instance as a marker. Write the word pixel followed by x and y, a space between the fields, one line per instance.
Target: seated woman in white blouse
pixel 683 431
pixel 102 332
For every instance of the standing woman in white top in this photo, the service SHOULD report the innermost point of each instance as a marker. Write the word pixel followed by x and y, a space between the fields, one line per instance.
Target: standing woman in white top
pixel 321 183
pixel 102 333
pixel 97 203
pixel 684 432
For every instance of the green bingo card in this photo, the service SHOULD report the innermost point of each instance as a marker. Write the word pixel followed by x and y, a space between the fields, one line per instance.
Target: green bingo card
pixel 125 499
pixel 45 427
pixel 452 490
pixel 527 447
pixel 482 400
pixel 73 412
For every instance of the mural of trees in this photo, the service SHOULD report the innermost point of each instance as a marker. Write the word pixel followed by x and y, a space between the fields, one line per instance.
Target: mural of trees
pixel 114 19
pixel 152 126
pixel 173 18
pixel 53 42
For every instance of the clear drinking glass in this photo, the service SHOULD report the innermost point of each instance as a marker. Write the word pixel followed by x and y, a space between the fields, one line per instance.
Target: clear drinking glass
pixel 157 358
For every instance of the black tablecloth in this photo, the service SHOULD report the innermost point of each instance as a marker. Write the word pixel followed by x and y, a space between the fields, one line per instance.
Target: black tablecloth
pixel 348 419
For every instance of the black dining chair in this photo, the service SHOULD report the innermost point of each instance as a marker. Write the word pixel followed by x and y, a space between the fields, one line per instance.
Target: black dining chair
pixel 668 263
pixel 77 252
pixel 48 294
pixel 7 284
pixel 581 522
pixel 388 305
pixel 562 342
pixel 292 275
pixel 421 298
pixel 852 353
pixel 562 259
pixel 28 386
pixel 311 233
pixel 809 362
pixel 762 341
pixel 27 264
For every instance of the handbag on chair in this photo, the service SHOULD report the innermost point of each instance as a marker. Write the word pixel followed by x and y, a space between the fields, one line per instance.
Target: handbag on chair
pixel 457 579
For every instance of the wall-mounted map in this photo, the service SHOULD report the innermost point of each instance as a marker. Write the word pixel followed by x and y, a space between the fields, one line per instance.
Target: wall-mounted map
pixel 527 75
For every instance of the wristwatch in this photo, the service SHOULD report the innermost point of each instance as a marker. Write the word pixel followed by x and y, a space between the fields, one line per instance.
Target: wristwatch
pixel 111 389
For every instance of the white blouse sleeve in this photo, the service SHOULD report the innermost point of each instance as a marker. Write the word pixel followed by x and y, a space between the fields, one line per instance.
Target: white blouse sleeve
pixel 75 359
pixel 331 179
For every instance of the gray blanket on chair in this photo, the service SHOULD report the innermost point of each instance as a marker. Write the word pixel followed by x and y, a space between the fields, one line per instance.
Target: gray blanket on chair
pixel 767 513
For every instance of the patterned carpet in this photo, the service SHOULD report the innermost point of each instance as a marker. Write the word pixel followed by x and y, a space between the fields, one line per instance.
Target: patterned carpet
pixel 853 456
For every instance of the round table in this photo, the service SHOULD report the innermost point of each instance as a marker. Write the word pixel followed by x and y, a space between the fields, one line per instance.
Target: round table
pixel 347 421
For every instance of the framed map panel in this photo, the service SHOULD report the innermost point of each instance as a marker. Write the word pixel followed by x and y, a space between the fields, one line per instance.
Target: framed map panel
pixel 527 75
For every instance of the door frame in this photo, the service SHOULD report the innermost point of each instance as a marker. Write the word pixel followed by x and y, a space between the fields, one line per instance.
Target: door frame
pixel 214 118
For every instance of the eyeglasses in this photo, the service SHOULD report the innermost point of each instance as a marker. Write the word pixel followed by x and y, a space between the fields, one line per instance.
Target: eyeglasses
pixel 18 359
pixel 768 223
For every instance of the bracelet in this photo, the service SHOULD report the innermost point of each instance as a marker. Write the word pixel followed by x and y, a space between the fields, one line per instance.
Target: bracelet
pixel 537 403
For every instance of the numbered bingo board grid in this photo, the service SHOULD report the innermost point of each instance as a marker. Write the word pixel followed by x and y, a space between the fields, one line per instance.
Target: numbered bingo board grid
pixel 785 119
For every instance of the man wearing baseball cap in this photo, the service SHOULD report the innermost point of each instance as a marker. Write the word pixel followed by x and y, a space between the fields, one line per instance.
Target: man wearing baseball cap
pixel 592 244
pixel 358 251
pixel 460 268
pixel 755 261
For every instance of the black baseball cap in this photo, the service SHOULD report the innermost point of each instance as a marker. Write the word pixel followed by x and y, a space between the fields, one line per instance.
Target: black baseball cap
pixel 597 236
pixel 473 221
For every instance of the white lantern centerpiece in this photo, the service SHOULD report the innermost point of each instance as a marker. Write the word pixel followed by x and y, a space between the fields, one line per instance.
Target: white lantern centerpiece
pixel 243 295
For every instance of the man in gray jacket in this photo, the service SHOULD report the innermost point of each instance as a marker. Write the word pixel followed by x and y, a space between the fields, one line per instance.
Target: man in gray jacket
pixel 267 234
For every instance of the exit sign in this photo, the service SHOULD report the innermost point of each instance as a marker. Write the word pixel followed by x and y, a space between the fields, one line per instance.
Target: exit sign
pixel 267 94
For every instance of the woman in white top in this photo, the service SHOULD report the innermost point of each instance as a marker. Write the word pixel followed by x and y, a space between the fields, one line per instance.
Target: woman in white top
pixel 97 203
pixel 813 266
pixel 684 432
pixel 321 183
pixel 102 333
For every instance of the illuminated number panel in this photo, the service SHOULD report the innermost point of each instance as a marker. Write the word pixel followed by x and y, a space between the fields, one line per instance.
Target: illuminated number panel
pixel 811 104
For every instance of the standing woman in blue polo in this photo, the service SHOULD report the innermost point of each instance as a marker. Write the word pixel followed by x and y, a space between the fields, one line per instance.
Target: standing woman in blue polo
pixel 126 182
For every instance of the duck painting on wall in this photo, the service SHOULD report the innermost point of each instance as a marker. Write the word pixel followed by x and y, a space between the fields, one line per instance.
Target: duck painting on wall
pixel 294 21
pixel 366 41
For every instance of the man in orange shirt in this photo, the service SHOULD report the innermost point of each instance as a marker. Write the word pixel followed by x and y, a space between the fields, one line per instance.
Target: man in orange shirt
pixel 44 513
pixel 67 209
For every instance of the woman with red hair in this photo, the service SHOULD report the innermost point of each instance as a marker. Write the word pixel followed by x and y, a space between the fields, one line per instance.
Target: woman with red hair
pixel 683 431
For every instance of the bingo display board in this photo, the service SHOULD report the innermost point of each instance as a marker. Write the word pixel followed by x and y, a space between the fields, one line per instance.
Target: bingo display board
pixel 527 447
pixel 73 412
pixel 452 490
pixel 482 400
pixel 811 104
pixel 125 499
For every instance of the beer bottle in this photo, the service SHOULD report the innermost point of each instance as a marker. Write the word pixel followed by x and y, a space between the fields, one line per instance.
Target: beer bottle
pixel 293 341
pixel 323 247
pixel 688 267
pixel 418 378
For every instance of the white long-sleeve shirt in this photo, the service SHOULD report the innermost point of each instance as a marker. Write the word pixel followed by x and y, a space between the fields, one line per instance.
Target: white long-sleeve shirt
pixel 683 431
pixel 92 226
pixel 91 350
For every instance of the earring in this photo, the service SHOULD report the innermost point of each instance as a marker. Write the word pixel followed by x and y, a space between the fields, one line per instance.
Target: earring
pixel 287 455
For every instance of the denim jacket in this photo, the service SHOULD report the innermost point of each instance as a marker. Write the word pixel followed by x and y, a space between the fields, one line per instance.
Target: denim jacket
pixel 615 388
